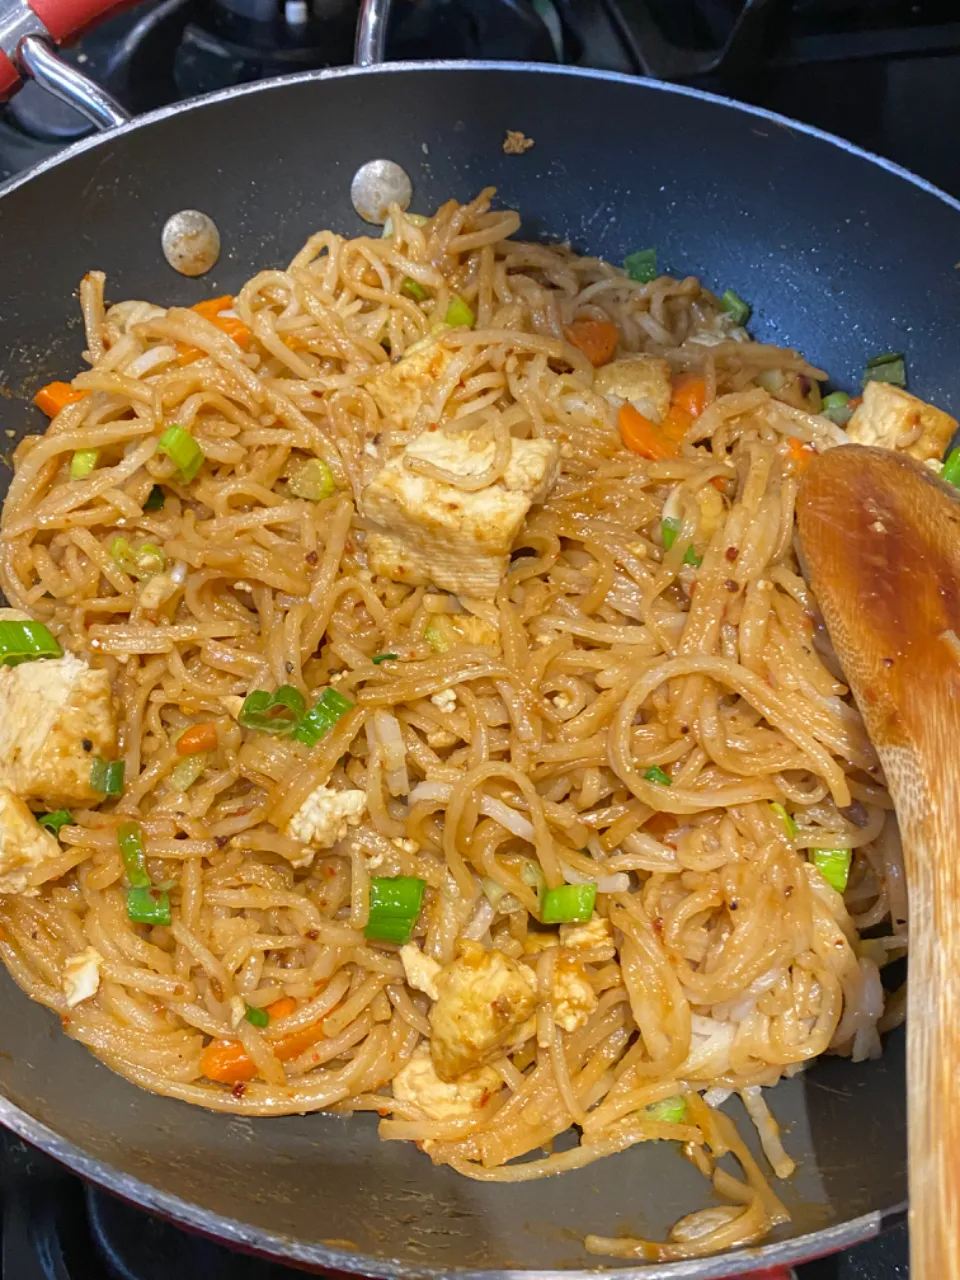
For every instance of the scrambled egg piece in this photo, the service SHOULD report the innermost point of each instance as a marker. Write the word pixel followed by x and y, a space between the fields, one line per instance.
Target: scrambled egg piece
pixel 448 629
pixel 324 818
pixel 482 997
pixel 888 413
pixel 424 530
pixel 445 700
pixel 420 970
pixel 56 715
pixel 81 975
pixel 418 1082
pixel 712 512
pixel 24 844
pixel 400 389
pixel 574 998
pixel 595 936
pixel 638 379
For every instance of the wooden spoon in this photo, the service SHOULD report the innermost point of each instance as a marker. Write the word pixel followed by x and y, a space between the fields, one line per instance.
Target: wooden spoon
pixel 881 538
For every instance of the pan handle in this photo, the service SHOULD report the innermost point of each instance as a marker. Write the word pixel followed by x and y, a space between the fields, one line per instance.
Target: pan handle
pixel 371 32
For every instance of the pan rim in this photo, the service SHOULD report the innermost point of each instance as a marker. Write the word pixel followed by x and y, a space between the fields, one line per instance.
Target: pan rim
pixel 232 1231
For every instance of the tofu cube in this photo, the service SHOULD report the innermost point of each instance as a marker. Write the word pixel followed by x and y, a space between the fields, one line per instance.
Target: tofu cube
pixel 324 818
pixel 420 970
pixel 574 998
pixel 417 1082
pixel 594 938
pixel 400 389
pixel 888 414
pixel 643 380
pixel 424 530
pixel 56 715
pixel 482 997
pixel 24 845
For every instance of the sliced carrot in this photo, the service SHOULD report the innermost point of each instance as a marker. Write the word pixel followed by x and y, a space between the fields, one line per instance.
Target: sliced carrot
pixel 232 326
pixel 801 454
pixel 227 1062
pixel 677 422
pixel 282 1008
pixel 597 339
pixel 855 403
pixel 690 393
pixel 199 737
pixel 643 436
pixel 56 396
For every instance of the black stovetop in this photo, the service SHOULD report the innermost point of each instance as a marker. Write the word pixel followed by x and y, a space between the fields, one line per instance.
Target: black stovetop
pixel 883 73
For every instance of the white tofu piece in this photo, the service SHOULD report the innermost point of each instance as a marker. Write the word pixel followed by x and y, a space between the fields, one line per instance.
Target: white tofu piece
pixel 324 818
pixel 574 998
pixel 56 715
pixel 420 970
pixel 417 1082
pixel 643 380
pixel 400 389
pixel 81 975
pixel 482 997
pixel 887 414
pixel 595 937
pixel 423 530
pixel 445 700
pixel 24 845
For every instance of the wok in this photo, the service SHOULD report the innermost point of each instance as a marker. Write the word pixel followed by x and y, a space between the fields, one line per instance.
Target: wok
pixel 841 255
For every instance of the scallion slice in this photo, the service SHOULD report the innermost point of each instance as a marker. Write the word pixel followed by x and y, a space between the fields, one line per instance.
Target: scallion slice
pixel 279 712
pixel 177 443
pixel 836 407
pixel 130 840
pixel 641 265
pixel 395 903
pixel 83 462
pixel 313 481
pixel 54 821
pixel 833 865
pixel 656 774
pixel 186 771
pixel 951 469
pixel 257 1017
pixel 788 823
pixel 436 637
pixel 106 776
pixel 322 716
pixel 568 904
pixel 383 657
pixel 889 367
pixel 735 306
pixel 155 499
pixel 26 642
pixel 148 905
pixel 413 289
pixel 145 561
pixel 672 1110
pixel 669 529
pixel 459 314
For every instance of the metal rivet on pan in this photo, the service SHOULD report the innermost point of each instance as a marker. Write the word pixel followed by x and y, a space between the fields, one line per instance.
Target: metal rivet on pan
pixel 191 242
pixel 375 186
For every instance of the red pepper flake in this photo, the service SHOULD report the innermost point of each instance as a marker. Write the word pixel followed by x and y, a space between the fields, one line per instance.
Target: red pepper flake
pixel 658 925
pixel 731 553
pixel 239 1089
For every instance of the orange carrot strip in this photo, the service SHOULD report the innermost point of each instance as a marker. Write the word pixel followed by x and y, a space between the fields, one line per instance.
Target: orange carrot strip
pixel 643 436
pixel 199 737
pixel 597 339
pixel 232 326
pixel 226 1061
pixel 800 454
pixel 282 1008
pixel 677 423
pixel 690 393
pixel 56 396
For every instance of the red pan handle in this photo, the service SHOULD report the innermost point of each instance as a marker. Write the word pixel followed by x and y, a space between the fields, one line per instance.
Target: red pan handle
pixel 25 24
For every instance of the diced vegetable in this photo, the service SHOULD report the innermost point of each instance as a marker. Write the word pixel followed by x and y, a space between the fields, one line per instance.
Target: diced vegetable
pixel 833 865
pixel 322 716
pixel 951 468
pixel 186 771
pixel 383 657
pixel 227 1062
pixel 54 821
pixel 459 314
pixel 26 642
pixel 106 776
pixel 232 326
pixel 531 873
pixel 279 712
pixel 493 891
pixel 641 265
pixel 568 903
pixel 130 840
pixel 801 454
pixel 282 1008
pixel 257 1017
pixel 148 906
pixel 155 499
pixel 669 529
pixel 735 306
pixel 177 443
pixel 672 1110
pixel 788 823
pixel 313 481
pixel 690 393
pixel 145 561
pixel 418 220
pixel 395 903
pixel 836 407
pixel 413 289
pixel 656 774
pixel 199 737
pixel 889 367
pixel 597 339
pixel 642 436
pixel 435 636
pixel 83 462
pixel 56 396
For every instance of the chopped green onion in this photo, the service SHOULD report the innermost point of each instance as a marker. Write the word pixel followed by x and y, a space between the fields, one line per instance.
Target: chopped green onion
pixel 279 712
pixel 788 823
pixel 257 1017
pixel 890 367
pixel 656 774
pixel 951 469
pixel 771 380
pixel 835 406
pixel 177 443
pixel 833 865
pixel 642 265
pixel 691 557
pixel 313 481
pixel 321 717
pixel 413 289
pixel 83 462
pixel 145 561
pixel 459 314
pixel 130 840
pixel 106 776
pixel 155 499
pixel 735 306
pixel 531 873
pixel 669 529
pixel 568 903
pixel 672 1110
pixel 395 903
pixel 54 821
pixel 148 905
pixel 25 642
pixel 187 771
pixel 418 220
pixel 383 657
pixel 492 891
pixel 436 636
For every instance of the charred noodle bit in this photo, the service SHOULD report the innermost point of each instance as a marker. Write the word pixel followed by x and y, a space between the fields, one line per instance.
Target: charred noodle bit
pixel 402 741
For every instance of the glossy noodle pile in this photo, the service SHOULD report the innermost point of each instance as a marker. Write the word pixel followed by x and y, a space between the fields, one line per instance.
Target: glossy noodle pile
pixel 667 723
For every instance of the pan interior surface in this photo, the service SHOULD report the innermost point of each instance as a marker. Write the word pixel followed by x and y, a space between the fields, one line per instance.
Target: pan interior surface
pixel 840 258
